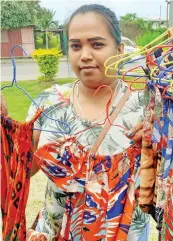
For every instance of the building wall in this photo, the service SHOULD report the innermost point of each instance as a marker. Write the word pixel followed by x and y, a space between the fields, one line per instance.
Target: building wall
pixel 23 36
pixel 28 40
pixel 8 39
pixel 158 24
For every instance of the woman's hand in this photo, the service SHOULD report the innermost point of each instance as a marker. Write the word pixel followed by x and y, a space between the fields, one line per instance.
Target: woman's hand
pixel 135 134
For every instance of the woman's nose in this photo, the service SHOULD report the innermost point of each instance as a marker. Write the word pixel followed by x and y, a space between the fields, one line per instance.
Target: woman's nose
pixel 86 54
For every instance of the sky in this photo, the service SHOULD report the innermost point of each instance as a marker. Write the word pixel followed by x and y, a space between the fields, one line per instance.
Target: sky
pixel 143 8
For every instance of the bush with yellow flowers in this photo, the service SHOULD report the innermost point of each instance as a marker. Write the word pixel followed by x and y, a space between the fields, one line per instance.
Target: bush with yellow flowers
pixel 48 62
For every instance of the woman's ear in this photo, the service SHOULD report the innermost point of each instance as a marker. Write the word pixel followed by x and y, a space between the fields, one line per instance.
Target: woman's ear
pixel 121 48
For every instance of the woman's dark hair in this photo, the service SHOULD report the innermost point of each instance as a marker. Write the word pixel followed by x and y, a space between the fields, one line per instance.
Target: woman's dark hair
pixel 106 13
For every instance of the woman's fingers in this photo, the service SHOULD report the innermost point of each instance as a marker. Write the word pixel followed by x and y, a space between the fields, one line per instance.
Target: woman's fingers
pixel 132 132
pixel 137 137
pixel 62 139
pixel 136 133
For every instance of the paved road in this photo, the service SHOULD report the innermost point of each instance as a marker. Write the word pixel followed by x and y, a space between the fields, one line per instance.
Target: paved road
pixel 28 70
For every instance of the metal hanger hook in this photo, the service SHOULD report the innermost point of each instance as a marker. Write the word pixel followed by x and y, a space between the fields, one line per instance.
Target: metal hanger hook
pixel 13 60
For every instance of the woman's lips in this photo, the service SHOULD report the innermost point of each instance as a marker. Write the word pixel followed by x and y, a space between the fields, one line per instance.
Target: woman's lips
pixel 88 68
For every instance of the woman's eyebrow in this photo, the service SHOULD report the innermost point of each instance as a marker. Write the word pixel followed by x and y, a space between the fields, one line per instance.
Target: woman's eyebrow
pixel 74 40
pixel 96 38
pixel 89 39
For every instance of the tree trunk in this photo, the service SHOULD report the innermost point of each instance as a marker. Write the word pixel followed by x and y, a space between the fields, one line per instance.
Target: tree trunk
pixel 47 40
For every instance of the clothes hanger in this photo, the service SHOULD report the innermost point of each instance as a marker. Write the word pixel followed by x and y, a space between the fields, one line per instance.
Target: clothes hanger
pixel 118 64
pixel 118 67
pixel 148 58
pixel 167 69
pixel 166 94
pixel 14 83
pixel 133 81
pixel 155 63
pixel 159 79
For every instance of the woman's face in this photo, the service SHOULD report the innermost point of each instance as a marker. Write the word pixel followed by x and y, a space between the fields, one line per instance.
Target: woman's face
pixel 90 45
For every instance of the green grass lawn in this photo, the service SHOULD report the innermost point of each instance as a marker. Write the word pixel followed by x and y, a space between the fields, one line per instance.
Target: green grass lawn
pixel 18 103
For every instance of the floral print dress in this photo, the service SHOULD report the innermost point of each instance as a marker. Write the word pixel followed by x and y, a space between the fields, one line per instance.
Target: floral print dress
pixel 57 103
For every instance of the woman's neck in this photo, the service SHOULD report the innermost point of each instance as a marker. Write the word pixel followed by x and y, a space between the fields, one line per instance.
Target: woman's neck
pixel 93 107
pixel 102 93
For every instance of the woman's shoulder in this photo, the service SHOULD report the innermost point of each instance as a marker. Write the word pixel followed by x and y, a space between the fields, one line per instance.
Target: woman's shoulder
pixel 55 94
pixel 48 98
pixel 55 89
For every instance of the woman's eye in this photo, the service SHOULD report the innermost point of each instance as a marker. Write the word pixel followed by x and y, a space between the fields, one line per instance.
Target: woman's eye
pixel 98 45
pixel 75 46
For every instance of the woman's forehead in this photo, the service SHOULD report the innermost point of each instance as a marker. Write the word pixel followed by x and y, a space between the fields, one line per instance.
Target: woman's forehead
pixel 88 24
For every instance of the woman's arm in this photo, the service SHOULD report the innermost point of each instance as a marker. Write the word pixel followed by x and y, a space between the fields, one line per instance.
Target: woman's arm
pixel 37 124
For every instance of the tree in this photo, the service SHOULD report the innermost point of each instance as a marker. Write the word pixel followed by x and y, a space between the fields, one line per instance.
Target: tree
pixel 45 17
pixel 18 14
pixel 134 19
pixel 15 14
pixel 131 19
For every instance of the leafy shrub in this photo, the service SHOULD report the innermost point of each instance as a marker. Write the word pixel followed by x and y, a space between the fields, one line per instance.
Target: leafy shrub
pixel 147 37
pixel 48 62
pixel 38 43
pixel 54 41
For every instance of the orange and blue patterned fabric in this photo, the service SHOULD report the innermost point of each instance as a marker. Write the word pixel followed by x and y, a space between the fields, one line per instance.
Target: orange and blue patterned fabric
pixel 167 232
pixel 101 189
pixel 162 137
pixel 16 162
pixel 163 133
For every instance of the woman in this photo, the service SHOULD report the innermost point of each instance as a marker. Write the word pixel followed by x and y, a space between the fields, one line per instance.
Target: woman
pixel 93 36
